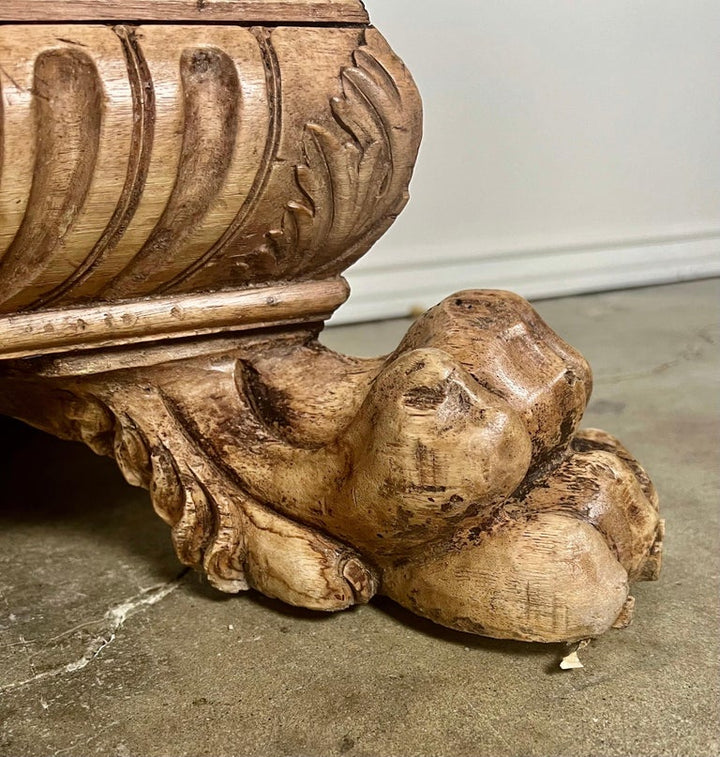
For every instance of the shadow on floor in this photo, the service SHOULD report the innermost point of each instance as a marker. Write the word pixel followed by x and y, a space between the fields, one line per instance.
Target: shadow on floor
pixel 64 485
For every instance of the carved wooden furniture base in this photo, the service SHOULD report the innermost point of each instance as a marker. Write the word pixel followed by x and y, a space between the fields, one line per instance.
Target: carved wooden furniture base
pixel 170 248
pixel 449 475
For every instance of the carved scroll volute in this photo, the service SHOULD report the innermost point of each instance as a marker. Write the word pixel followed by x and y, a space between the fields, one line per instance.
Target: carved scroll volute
pixel 147 160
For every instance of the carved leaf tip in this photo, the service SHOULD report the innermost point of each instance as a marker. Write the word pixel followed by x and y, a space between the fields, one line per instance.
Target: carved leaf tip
pixel 353 186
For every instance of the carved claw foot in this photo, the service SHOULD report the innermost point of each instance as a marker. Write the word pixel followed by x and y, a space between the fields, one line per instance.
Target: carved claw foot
pixel 450 476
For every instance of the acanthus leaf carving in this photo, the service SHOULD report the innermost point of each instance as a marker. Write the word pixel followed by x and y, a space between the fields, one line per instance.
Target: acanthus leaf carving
pixel 354 179
pixel 351 179
pixel 217 527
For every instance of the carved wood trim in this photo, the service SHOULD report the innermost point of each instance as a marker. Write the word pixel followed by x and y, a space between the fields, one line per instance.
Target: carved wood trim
pixel 176 160
pixel 197 11
pixel 175 316
pixel 177 204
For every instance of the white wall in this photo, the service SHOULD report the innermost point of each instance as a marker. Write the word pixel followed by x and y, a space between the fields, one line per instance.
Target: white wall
pixel 570 145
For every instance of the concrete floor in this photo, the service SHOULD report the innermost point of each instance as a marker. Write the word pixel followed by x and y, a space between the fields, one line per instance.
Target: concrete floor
pixel 91 662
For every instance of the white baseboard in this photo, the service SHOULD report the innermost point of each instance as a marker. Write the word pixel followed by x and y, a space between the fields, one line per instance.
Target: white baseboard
pixel 397 289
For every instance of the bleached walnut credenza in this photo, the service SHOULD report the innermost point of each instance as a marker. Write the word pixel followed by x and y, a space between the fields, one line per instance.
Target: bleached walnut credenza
pixel 183 184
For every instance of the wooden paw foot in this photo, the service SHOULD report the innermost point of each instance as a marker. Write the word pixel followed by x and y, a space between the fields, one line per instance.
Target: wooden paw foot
pixel 450 475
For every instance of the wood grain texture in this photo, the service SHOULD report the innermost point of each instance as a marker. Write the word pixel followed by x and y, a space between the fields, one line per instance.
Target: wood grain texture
pixel 67 120
pixel 167 159
pixel 198 11
pixel 177 316
pixel 450 476
pixel 177 202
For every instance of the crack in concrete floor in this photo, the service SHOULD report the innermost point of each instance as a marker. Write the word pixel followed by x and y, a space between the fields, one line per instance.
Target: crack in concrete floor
pixel 112 621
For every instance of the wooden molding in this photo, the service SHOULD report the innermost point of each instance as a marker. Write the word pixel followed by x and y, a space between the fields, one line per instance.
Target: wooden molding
pixel 163 318
pixel 158 160
pixel 196 11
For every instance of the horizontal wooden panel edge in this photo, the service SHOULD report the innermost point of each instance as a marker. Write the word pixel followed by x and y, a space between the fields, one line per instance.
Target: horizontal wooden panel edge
pixel 177 316
pixel 199 11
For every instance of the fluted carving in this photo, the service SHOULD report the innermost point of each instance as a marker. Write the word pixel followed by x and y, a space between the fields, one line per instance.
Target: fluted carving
pixel 197 167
